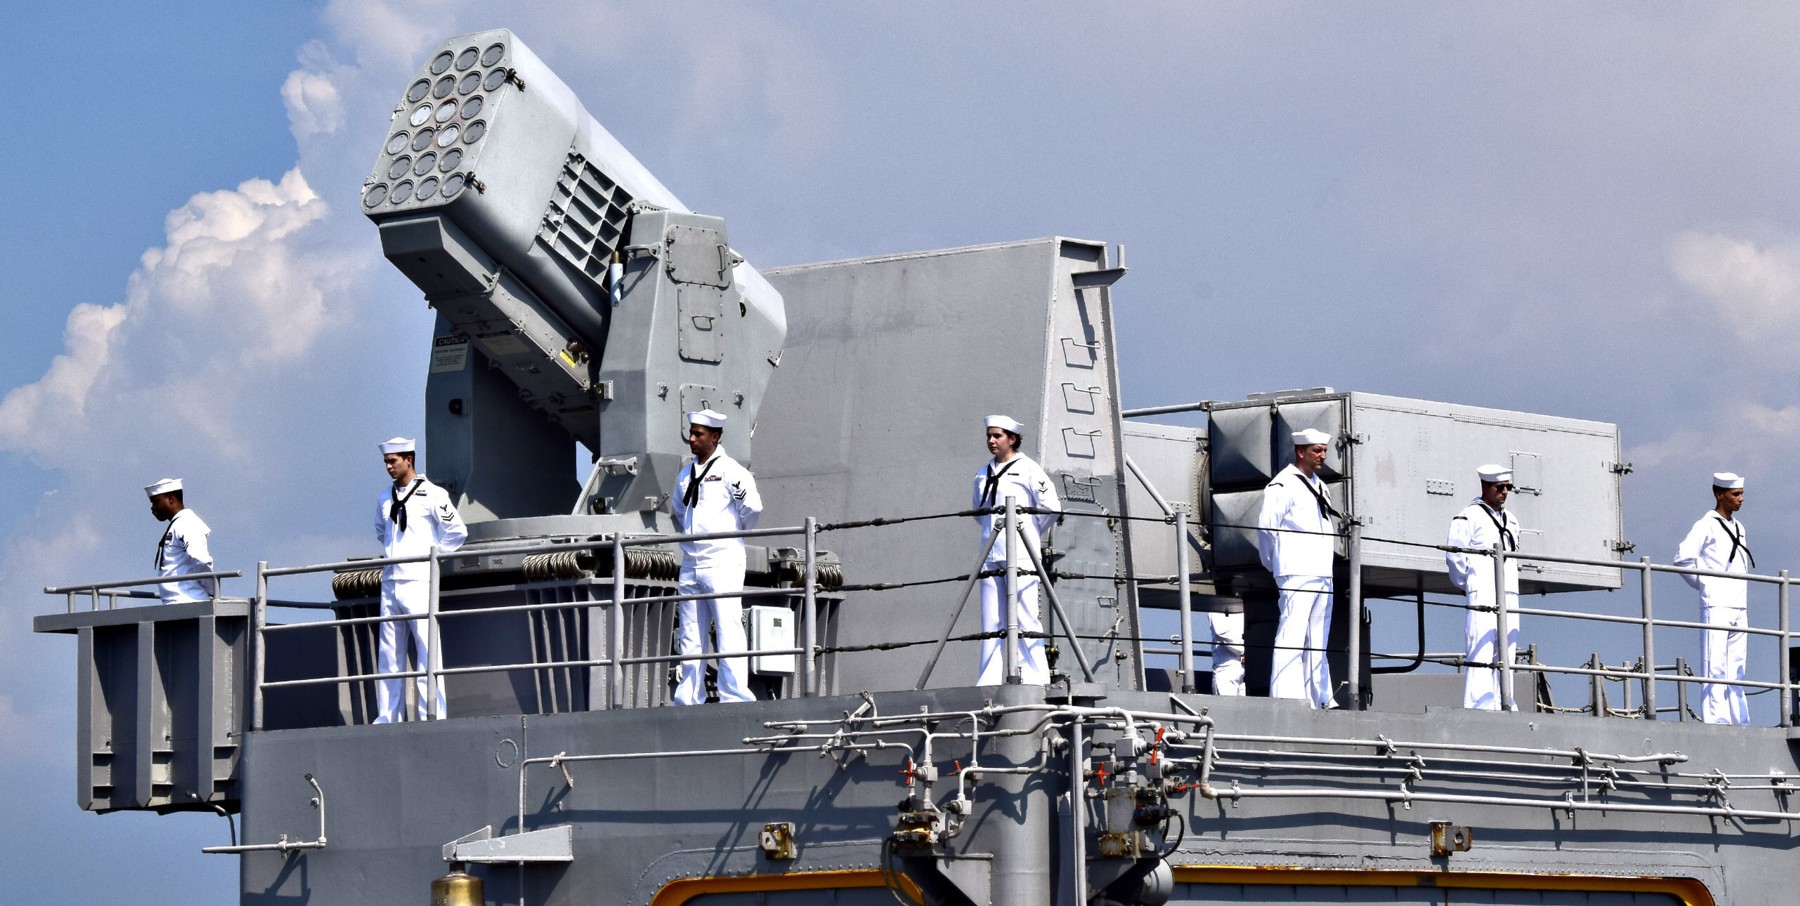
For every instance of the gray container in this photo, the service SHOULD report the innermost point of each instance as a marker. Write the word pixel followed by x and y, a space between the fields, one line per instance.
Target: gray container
pixel 1404 468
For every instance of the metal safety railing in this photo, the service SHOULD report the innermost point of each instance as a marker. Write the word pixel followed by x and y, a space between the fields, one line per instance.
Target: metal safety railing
pixel 1645 673
pixel 614 661
pixel 1024 556
pixel 1648 675
pixel 134 588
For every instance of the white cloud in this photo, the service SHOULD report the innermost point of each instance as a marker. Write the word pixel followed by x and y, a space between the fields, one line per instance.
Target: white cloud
pixel 234 289
pixel 1755 288
pixel 1744 436
pixel 313 104
pixel 381 33
pixel 63 390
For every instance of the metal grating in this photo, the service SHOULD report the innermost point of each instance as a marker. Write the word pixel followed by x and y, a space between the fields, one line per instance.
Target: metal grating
pixel 586 218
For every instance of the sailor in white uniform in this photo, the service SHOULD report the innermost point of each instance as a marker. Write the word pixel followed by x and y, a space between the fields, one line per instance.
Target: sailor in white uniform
pixel 1297 539
pixel 713 493
pixel 182 550
pixel 1012 475
pixel 1481 525
pixel 1227 653
pixel 1718 542
pixel 411 517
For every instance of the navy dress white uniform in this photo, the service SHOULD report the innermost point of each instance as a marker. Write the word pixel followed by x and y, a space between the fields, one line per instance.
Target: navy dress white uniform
pixel 715 495
pixel 411 516
pixel 1297 537
pixel 1718 542
pixel 1021 479
pixel 1480 526
pixel 1227 653
pixel 182 550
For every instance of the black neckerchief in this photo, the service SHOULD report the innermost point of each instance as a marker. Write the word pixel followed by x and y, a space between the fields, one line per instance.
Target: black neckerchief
pixel 691 497
pixel 993 480
pixel 165 541
pixel 1506 535
pixel 397 511
pixel 1737 543
pixel 1325 510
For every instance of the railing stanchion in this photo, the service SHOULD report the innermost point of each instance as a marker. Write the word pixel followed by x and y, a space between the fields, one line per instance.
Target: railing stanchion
pixel 808 610
pixel 1681 689
pixel 962 603
pixel 434 641
pixel 615 627
pixel 1597 685
pixel 1355 594
pixel 1009 589
pixel 1644 575
pixel 259 616
pixel 1184 588
pixel 1501 619
pixel 1786 654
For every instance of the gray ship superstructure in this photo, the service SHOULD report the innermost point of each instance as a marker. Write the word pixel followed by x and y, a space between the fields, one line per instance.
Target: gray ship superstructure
pixel 580 303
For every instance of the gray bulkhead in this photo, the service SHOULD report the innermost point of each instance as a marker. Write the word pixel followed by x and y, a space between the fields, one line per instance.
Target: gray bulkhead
pixel 891 364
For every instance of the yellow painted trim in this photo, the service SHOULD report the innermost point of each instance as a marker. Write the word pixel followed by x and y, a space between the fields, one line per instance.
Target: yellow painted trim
pixel 681 890
pixel 1688 890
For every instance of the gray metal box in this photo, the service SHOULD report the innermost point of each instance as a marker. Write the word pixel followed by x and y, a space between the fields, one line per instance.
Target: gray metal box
pixel 1165 463
pixel 1405 467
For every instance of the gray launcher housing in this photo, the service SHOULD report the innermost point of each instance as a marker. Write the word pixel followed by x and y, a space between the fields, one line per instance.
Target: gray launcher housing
pixel 1403 468
pixel 891 365
pixel 508 204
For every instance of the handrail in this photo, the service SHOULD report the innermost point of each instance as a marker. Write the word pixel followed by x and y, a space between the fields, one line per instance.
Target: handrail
pixel 545 547
pixel 807 681
pixel 434 671
pixel 157 580
pixel 93 589
pixel 1504 610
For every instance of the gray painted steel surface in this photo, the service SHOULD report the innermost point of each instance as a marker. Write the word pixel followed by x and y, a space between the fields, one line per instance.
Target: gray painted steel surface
pixel 1404 467
pixel 399 793
pixel 890 367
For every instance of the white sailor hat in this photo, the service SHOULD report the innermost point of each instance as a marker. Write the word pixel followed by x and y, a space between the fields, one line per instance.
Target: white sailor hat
pixel 707 418
pixel 1310 436
pixel 162 486
pixel 1493 473
pixel 1727 480
pixel 1005 423
pixel 396 445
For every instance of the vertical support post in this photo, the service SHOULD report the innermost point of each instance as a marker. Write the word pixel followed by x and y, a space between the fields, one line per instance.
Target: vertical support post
pixel 1597 685
pixel 1355 592
pixel 1681 689
pixel 809 608
pixel 259 618
pixel 1644 575
pixel 1502 617
pixel 962 602
pixel 1009 590
pixel 1077 810
pixel 615 627
pixel 1785 656
pixel 1187 605
pixel 435 640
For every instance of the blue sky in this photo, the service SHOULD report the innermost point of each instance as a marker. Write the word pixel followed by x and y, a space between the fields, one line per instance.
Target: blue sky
pixel 1580 210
